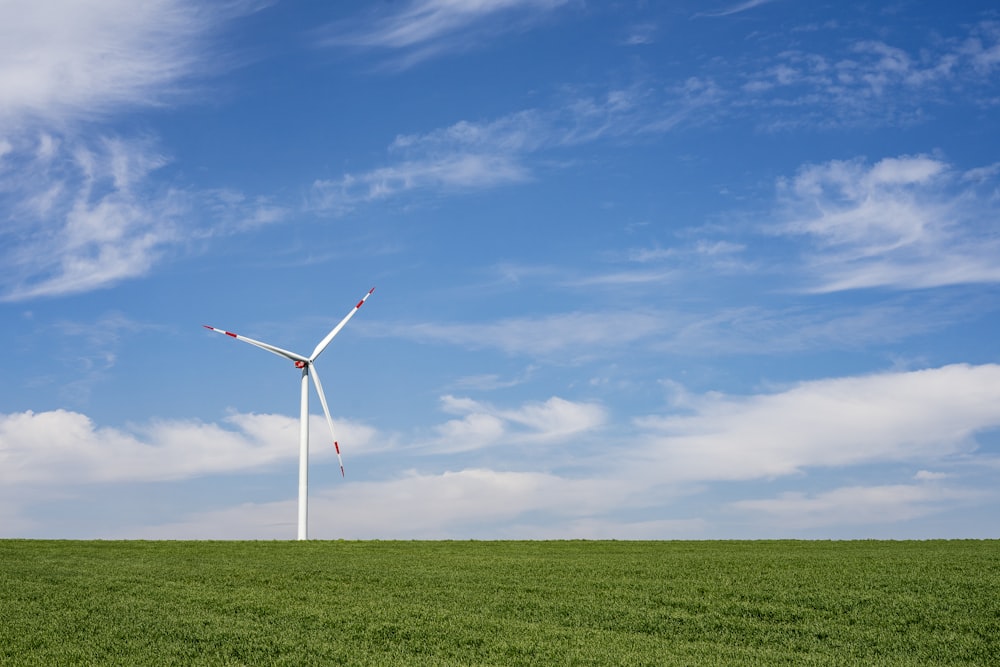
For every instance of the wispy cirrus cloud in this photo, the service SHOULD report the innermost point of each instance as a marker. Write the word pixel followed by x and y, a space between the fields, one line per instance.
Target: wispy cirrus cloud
pixel 757 331
pixel 734 9
pixel 458 171
pixel 424 29
pixel 471 155
pixel 64 61
pixel 84 209
pixel 868 82
pixel 908 222
pixel 573 333
pixel 982 47
pixel 576 337
pixel 82 216
pixel 905 223
pixel 639 34
pixel 91 349
pixel 463 156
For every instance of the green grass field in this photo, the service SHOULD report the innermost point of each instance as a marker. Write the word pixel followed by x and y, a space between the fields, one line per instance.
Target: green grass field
pixel 500 603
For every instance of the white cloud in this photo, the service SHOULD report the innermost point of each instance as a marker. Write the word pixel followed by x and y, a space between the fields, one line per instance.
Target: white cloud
pixel 858 505
pixel 89 350
pixel 82 209
pixel 472 431
pixel 578 332
pixel 556 419
pixel 580 336
pixel 597 528
pixel 642 33
pixel 869 83
pixel 980 174
pixel 423 29
pixel 671 265
pixel 88 214
pixel 461 156
pixel 105 332
pixel 62 61
pixel 928 475
pixel 627 278
pixel 903 222
pixel 875 210
pixel 765 331
pixel 492 381
pixel 983 46
pixel 475 502
pixel 474 155
pixel 63 447
pixel 483 425
pixel 927 415
pixel 456 171
pixel 918 169
pixel 518 132
pixel 735 9
pixel 84 216
pixel 817 88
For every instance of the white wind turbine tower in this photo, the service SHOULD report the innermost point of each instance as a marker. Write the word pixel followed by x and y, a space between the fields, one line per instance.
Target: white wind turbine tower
pixel 305 363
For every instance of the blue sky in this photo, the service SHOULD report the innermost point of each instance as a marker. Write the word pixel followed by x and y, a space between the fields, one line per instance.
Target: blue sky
pixel 710 269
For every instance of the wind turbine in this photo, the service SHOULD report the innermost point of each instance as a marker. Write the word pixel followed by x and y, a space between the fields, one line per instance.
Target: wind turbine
pixel 305 363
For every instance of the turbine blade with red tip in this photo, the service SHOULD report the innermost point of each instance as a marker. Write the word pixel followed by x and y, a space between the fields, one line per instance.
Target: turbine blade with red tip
pixel 264 346
pixel 326 341
pixel 326 411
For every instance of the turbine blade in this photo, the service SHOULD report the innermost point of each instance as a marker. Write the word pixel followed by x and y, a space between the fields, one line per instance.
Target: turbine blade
pixel 326 341
pixel 326 411
pixel 264 346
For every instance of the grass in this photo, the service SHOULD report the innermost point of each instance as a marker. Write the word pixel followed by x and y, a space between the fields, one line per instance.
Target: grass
pixel 500 603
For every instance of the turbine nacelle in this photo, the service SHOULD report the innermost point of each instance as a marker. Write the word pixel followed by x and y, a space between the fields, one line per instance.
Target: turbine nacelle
pixel 301 364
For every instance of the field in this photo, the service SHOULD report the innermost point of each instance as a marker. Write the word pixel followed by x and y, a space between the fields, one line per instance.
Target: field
pixel 500 603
